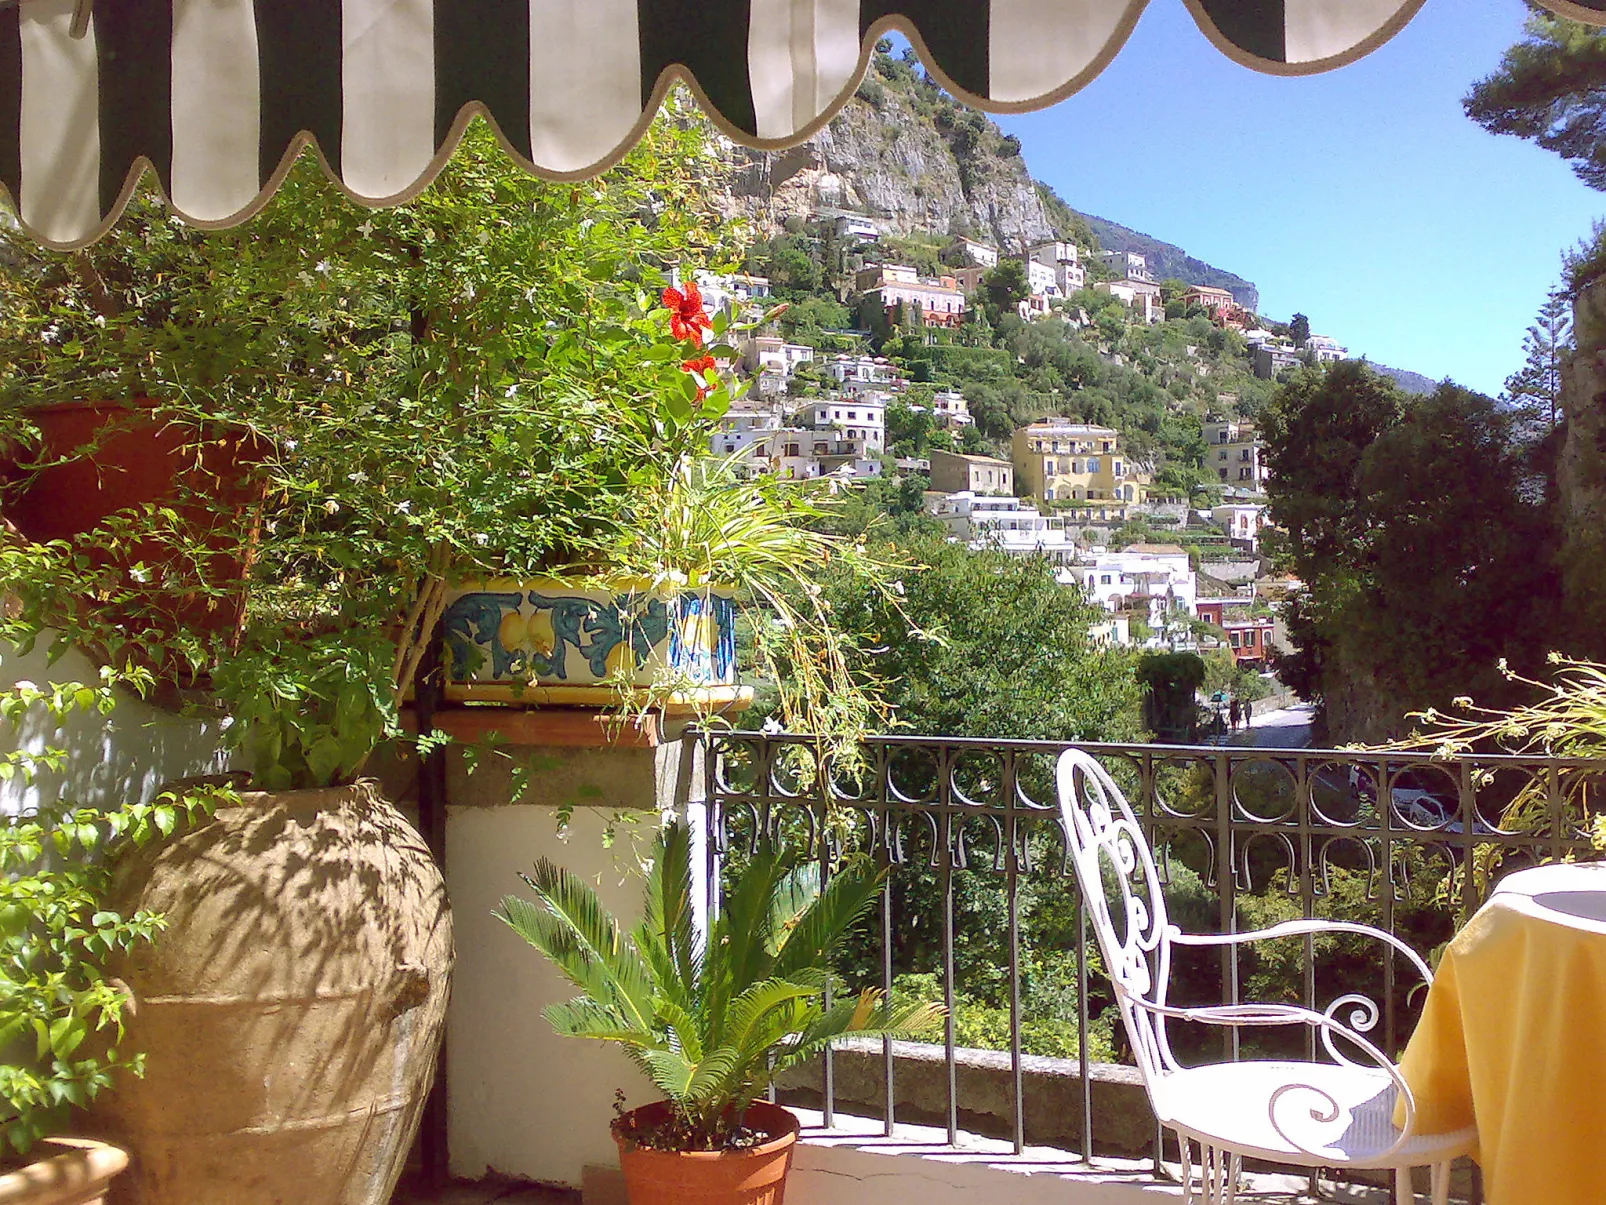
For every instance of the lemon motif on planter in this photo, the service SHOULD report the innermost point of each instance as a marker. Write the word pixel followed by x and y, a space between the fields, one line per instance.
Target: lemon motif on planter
pixel 621 661
pixel 539 637
pixel 511 634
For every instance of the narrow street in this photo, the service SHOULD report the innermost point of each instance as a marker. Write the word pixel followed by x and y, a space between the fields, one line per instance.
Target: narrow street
pixel 1285 729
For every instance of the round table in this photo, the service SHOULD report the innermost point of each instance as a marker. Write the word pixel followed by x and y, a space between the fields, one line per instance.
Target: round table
pixel 1513 1038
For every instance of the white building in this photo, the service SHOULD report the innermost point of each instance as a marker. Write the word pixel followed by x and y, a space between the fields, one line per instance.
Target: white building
pixel 737 291
pixel 770 353
pixel 1325 349
pixel 1069 275
pixel 950 409
pixel 1126 263
pixel 1142 295
pixel 860 374
pixel 1155 579
pixel 1042 279
pixel 856 226
pixel 1005 524
pixel 1242 523
pixel 981 255
pixel 859 421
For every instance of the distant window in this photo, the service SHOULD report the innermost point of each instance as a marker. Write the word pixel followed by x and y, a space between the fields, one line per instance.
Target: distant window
pixel 1105 579
pixel 1221 455
pixel 1223 473
pixel 1092 464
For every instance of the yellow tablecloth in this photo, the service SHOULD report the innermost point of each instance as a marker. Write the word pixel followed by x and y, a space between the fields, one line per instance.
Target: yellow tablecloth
pixel 1513 1038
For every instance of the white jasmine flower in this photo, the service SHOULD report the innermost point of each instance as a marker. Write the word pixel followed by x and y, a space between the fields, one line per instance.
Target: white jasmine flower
pixel 405 508
pixel 330 506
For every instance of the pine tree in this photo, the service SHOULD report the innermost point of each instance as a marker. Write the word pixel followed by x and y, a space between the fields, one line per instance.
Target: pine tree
pixel 1535 388
pixel 1299 330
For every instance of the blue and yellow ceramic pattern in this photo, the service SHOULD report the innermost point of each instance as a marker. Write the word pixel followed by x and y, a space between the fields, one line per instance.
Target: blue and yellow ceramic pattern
pixel 544 642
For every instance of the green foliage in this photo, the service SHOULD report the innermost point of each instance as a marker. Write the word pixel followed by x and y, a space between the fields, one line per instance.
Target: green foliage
pixel 1003 288
pixel 1548 89
pixel 61 1015
pixel 765 540
pixel 713 1022
pixel 1299 329
pixel 986 644
pixel 1424 556
pixel 478 384
pixel 1535 389
pixel 1172 681
pixel 980 1025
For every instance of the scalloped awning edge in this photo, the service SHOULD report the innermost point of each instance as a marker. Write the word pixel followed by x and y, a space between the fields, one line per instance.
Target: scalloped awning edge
pixel 219 97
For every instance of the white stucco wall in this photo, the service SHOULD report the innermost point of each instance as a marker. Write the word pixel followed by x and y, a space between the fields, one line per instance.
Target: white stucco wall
pixel 523 1101
pixel 126 755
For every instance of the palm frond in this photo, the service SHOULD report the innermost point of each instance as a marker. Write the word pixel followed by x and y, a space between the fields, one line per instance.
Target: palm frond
pixel 668 912
pixel 823 924
pixel 596 942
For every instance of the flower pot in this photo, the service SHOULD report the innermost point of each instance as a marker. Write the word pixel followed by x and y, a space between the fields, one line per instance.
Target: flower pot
pixel 543 642
pixel 291 1011
pixel 127 457
pixel 756 1176
pixel 64 1171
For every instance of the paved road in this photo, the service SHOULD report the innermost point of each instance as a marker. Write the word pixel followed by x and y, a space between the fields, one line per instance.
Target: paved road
pixel 1285 729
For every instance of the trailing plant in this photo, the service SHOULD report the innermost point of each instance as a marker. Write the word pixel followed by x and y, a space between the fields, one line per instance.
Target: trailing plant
pixel 1566 720
pixel 61 1013
pixel 711 1019
pixel 500 379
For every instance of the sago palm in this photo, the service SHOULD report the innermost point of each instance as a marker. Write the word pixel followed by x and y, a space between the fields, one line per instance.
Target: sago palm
pixel 711 1023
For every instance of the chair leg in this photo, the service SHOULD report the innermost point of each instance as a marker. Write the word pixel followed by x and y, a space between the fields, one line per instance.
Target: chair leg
pixel 1441 1184
pixel 1404 1194
pixel 1235 1171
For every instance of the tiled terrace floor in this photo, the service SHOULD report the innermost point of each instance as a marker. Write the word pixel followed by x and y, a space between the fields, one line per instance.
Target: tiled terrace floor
pixel 486 1192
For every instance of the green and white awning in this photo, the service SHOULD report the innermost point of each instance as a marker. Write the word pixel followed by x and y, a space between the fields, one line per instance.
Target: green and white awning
pixel 219 96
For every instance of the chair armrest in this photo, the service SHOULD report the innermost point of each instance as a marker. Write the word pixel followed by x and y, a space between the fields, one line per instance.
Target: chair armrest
pixel 1299 928
pixel 1246 1015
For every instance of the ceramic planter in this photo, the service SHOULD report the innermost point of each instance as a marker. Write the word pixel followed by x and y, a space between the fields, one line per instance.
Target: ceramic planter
pixel 756 1176
pixel 544 643
pixel 64 1171
pixel 292 1009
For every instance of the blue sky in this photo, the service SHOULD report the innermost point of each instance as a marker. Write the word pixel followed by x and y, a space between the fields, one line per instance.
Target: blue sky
pixel 1363 197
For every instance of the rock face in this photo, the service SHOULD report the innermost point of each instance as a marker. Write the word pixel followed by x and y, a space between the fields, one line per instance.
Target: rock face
pixel 896 164
pixel 1581 479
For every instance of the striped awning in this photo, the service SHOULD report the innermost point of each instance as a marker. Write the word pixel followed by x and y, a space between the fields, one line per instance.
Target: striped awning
pixel 219 96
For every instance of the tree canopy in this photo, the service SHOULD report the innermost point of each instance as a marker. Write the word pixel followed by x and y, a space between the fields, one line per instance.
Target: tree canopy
pixel 1424 558
pixel 1551 89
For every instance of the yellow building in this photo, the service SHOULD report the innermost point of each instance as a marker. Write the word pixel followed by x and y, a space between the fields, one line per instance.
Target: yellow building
pixel 1058 461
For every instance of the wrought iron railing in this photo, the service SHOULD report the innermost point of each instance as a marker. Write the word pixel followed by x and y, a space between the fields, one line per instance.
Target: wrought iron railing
pixel 1413 840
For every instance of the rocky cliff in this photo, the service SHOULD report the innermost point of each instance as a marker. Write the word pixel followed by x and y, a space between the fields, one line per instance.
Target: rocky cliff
pixel 909 158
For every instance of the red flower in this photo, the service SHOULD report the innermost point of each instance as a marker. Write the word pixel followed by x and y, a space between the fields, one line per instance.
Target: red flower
pixel 707 366
pixel 687 318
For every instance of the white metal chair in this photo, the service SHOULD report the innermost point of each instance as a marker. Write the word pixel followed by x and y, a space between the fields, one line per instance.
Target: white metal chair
pixel 1309 1114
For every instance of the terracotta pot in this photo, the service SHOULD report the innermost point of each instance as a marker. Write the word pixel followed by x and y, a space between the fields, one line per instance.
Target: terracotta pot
pixel 292 1010
pixel 756 1176
pixel 135 459
pixel 65 1171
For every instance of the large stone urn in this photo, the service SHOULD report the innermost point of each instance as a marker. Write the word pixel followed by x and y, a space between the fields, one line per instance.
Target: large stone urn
pixel 291 1011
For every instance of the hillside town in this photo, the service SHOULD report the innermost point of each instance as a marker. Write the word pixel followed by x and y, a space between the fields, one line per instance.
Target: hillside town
pixel 1169 571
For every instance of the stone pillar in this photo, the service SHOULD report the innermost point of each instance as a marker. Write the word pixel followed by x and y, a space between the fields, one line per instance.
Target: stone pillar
pixel 1581 480
pixel 523 1101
